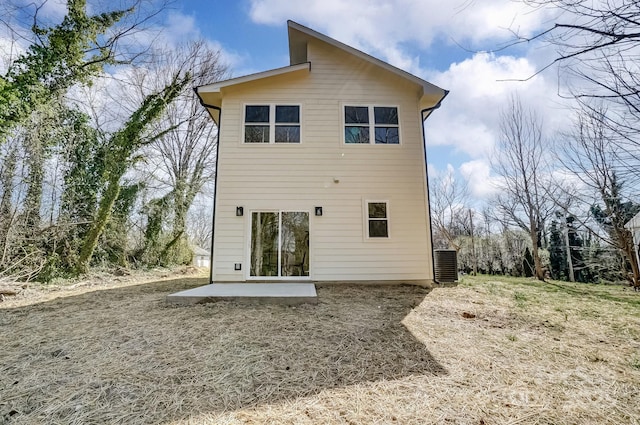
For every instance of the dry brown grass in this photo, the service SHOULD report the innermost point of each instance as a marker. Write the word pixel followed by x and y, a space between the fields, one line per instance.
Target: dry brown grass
pixel 524 353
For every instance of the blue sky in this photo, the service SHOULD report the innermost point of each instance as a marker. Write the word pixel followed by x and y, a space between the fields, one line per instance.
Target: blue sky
pixel 445 43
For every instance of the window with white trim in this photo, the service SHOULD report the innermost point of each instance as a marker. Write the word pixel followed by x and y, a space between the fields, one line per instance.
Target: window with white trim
pixel 371 124
pixel 272 123
pixel 377 219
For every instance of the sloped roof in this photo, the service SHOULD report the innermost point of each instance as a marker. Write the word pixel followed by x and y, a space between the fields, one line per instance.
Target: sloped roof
pixel 211 97
pixel 215 87
pixel 199 251
pixel 634 223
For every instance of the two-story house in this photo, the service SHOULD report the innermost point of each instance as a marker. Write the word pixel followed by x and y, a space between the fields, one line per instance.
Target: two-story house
pixel 321 169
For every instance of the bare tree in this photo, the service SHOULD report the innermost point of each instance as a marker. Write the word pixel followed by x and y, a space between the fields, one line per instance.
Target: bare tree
pixel 520 163
pixel 184 158
pixel 448 198
pixel 589 154
pixel 199 224
pixel 597 46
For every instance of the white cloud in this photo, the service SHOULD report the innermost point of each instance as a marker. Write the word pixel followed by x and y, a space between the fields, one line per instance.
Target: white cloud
pixel 179 28
pixel 383 26
pixel 419 21
pixel 53 9
pixel 469 120
pixel 481 183
pixel 469 117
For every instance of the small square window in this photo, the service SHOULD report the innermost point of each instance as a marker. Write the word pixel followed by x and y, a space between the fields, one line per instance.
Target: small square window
pixel 387 135
pixel 356 115
pixel 377 220
pixel 257 113
pixel 256 134
pixel 385 115
pixel 377 210
pixel 356 134
pixel 378 229
pixel 287 134
pixel 287 114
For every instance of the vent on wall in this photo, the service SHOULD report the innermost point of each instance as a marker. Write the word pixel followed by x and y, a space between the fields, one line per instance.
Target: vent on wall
pixel 446 265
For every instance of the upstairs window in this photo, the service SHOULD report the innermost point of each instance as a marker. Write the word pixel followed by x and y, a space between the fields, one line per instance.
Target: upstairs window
pixel 377 219
pixel 371 124
pixel 256 124
pixel 386 125
pixel 356 124
pixel 272 124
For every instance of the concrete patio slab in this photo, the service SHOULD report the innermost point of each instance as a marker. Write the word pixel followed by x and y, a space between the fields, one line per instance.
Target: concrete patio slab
pixel 275 293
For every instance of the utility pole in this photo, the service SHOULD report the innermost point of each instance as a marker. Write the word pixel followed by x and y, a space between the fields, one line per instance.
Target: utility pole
pixel 566 240
pixel 473 245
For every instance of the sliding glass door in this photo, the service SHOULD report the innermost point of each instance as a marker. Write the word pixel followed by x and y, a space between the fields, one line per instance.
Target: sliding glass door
pixel 279 244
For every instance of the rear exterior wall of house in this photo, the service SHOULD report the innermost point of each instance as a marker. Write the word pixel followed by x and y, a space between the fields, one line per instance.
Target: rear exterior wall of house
pixel 323 171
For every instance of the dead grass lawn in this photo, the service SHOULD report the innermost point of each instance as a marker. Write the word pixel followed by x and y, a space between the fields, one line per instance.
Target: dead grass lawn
pixel 484 352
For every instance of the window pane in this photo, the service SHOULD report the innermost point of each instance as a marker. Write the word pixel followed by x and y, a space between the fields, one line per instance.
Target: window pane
pixel 256 113
pixel 256 134
pixel 287 134
pixel 378 229
pixel 387 135
pixel 356 115
pixel 264 244
pixel 294 249
pixel 288 114
pixel 385 115
pixel 377 210
pixel 356 134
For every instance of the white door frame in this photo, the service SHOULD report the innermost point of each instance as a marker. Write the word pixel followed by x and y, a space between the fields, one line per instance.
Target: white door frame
pixel 247 271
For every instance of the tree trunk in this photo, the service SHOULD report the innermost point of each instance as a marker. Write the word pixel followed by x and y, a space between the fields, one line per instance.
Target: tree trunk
pixel 6 214
pixel 537 261
pixel 572 277
pixel 33 199
pixel 629 253
pixel 473 246
pixel 102 217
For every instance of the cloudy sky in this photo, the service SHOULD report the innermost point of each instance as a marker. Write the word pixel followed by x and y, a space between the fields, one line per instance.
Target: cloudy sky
pixel 454 44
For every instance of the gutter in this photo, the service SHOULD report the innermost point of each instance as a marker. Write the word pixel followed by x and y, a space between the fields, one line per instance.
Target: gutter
pixel 215 179
pixel 428 112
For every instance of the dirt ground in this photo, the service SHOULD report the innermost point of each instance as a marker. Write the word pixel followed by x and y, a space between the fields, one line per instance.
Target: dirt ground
pixel 483 352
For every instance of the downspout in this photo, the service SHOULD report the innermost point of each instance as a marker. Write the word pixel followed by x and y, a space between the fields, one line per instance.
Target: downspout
pixel 424 117
pixel 215 179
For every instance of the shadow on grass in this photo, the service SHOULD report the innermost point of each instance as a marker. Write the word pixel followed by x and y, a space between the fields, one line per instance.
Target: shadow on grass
pixel 123 355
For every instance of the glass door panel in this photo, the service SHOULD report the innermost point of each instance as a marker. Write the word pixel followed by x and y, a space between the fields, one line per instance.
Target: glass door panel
pixel 294 244
pixel 264 243
pixel 279 244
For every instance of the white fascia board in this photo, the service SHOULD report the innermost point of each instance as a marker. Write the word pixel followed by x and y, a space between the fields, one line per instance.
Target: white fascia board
pixel 216 87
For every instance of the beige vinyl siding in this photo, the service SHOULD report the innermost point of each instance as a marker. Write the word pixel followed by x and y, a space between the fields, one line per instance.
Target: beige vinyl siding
pixel 301 176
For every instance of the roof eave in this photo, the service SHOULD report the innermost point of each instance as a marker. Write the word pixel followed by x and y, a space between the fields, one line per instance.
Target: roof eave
pixel 219 85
